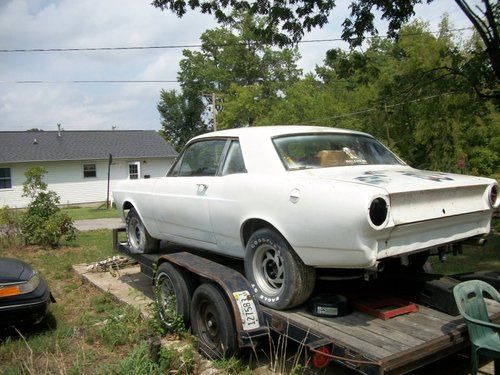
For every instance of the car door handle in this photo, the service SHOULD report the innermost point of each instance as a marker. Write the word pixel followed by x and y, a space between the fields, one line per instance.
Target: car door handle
pixel 202 187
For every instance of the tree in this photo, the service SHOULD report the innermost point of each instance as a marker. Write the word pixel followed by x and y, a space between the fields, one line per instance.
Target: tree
pixel 181 117
pixel 234 64
pixel 287 21
pixel 399 92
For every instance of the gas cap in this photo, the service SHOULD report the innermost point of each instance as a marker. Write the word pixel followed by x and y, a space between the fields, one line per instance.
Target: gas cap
pixel 295 195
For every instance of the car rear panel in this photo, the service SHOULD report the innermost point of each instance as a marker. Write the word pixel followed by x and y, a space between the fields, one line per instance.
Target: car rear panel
pixel 420 235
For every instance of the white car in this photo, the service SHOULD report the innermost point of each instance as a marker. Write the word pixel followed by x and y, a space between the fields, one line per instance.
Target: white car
pixel 291 199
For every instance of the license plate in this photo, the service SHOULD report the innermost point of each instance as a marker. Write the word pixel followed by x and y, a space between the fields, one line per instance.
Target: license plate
pixel 248 312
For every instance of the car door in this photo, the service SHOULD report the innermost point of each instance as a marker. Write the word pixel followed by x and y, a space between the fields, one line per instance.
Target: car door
pixel 226 197
pixel 181 207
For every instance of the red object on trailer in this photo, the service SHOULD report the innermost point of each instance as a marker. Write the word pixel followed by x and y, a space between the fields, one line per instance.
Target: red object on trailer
pixel 385 307
pixel 321 357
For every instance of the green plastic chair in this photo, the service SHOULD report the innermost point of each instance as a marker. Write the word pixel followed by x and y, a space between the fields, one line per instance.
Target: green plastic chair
pixel 484 335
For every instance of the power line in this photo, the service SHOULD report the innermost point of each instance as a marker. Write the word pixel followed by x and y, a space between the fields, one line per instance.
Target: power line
pixel 89 81
pixel 192 46
pixel 374 109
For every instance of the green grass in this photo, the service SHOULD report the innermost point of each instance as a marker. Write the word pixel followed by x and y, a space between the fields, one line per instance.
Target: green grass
pixel 86 331
pixel 85 213
pixel 473 258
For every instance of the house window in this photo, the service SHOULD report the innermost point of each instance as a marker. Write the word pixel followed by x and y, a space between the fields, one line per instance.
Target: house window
pixel 5 179
pixel 133 171
pixel 89 171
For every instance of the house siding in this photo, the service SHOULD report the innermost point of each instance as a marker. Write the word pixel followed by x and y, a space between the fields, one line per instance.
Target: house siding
pixel 66 179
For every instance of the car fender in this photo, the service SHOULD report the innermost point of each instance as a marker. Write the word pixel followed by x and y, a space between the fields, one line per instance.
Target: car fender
pixel 147 221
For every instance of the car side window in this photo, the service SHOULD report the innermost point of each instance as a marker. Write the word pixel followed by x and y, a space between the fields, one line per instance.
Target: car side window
pixel 234 160
pixel 202 158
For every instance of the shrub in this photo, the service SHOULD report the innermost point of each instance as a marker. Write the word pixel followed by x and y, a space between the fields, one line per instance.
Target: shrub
pixel 44 223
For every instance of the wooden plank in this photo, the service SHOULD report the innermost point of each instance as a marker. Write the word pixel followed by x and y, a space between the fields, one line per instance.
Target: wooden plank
pixel 373 324
pixel 357 345
pixel 449 320
pixel 417 356
pixel 360 332
pixel 492 306
pixel 431 322
pixel 404 323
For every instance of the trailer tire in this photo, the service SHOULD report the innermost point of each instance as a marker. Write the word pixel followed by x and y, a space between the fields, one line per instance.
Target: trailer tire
pixel 138 238
pixel 212 322
pixel 278 276
pixel 173 282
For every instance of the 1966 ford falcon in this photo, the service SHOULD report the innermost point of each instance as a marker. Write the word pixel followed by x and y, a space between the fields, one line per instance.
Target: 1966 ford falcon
pixel 290 199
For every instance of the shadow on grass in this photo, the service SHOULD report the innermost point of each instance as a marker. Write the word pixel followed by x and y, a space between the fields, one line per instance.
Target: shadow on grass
pixel 48 324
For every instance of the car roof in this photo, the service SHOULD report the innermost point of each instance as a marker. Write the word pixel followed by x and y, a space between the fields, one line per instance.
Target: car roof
pixel 276 130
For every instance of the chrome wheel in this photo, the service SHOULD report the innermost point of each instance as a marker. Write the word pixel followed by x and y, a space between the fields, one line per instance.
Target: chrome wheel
pixel 166 298
pixel 136 234
pixel 269 270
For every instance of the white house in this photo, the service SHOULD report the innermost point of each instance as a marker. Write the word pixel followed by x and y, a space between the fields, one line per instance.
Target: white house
pixel 77 161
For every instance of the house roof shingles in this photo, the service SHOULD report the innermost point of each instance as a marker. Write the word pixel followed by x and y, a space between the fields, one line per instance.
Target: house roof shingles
pixel 20 146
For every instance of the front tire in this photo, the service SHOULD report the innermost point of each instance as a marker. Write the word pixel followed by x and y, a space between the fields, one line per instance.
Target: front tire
pixel 278 276
pixel 138 238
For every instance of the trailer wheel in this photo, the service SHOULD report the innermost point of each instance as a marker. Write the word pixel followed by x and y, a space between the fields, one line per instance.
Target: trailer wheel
pixel 212 321
pixel 138 238
pixel 174 290
pixel 279 277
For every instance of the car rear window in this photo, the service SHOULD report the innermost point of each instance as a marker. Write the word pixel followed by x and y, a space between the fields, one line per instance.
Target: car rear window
pixel 304 151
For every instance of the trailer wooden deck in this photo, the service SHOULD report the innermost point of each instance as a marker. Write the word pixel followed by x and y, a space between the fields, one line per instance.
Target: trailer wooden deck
pixel 398 345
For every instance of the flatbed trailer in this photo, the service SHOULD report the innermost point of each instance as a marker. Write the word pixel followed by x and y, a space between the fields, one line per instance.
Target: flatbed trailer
pixel 358 341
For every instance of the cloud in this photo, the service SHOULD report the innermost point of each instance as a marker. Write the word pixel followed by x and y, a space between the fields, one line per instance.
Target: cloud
pixel 97 23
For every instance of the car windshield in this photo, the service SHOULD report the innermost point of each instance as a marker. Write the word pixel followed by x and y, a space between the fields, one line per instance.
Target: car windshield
pixel 304 151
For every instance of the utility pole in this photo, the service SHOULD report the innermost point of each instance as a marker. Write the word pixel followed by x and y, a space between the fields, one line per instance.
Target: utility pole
pixel 214 111
pixel 386 124
pixel 110 160
pixel 212 99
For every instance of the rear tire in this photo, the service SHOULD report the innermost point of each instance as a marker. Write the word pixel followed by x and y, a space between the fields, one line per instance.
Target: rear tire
pixel 174 290
pixel 278 276
pixel 212 322
pixel 138 238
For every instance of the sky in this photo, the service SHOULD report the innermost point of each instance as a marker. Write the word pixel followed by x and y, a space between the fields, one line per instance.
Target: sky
pixel 29 24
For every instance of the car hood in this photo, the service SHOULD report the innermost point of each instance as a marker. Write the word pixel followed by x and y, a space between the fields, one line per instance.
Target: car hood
pixel 14 270
pixel 396 179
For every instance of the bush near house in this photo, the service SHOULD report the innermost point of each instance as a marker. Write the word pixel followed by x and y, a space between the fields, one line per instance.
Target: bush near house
pixel 43 223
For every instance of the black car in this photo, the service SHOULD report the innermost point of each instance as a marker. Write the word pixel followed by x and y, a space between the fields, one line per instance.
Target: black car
pixel 24 295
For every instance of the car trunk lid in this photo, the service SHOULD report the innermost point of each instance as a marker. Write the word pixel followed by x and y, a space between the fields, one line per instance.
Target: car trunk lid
pixel 416 195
